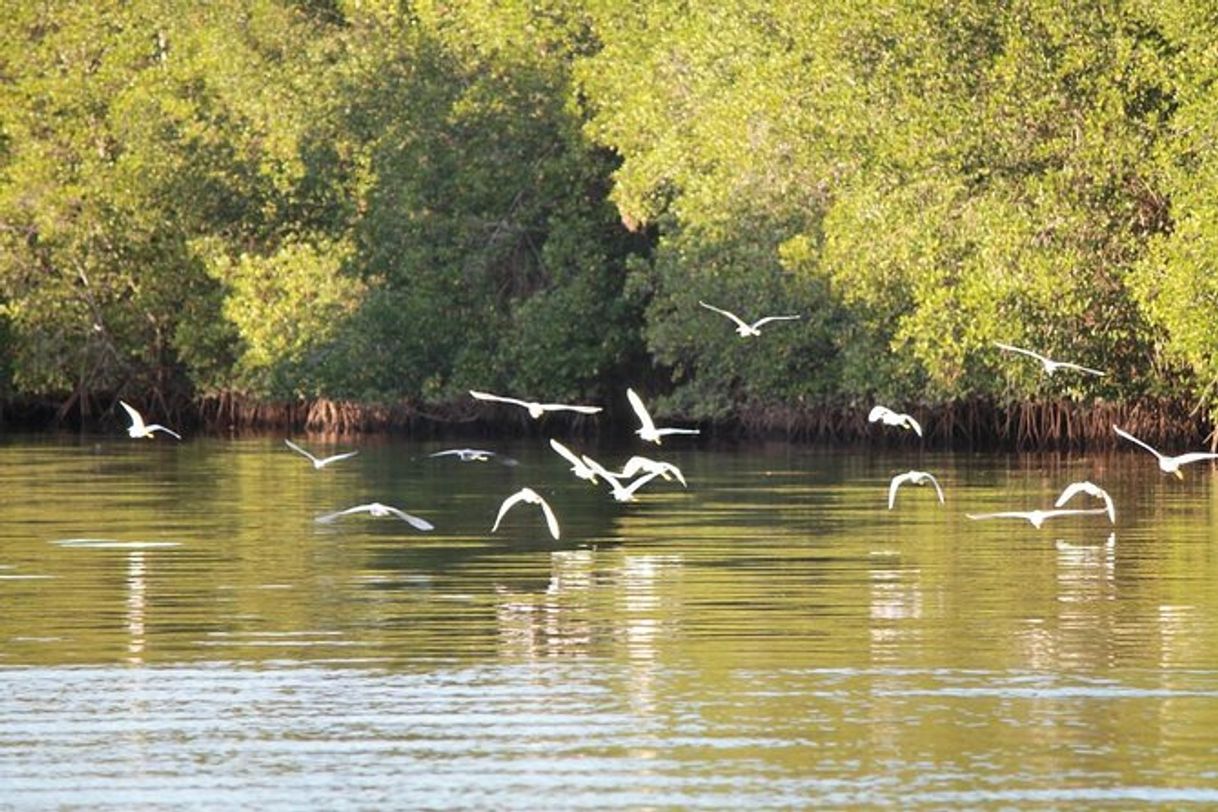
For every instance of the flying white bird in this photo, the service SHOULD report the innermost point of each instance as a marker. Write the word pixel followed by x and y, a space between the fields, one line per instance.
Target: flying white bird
pixel 474 455
pixel 578 466
pixel 648 430
pixel 536 409
pixel 917 478
pixel 1169 465
pixel 637 464
pixel 1090 488
pixel 533 498
pixel 622 493
pixel 323 462
pixel 1037 517
pixel 1050 365
pixel 380 511
pixel 891 418
pixel 743 328
pixel 139 428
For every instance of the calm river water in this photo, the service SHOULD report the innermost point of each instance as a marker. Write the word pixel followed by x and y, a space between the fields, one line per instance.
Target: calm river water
pixel 176 631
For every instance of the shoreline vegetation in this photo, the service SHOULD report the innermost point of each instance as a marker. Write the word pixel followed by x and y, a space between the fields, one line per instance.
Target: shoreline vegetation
pixel 1060 425
pixel 352 214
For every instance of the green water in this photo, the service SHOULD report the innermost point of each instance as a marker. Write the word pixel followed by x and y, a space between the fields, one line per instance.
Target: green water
pixel 176 631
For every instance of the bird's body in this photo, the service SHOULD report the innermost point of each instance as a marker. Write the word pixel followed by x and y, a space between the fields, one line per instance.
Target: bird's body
pixel 917 478
pixel 578 466
pixel 743 328
pixel 1091 489
pixel 622 493
pixel 1169 465
pixel 1037 517
pixel 320 462
pixel 647 430
pixel 1049 364
pixel 534 408
pixel 890 418
pixel 531 497
pixel 139 428
pixel 380 511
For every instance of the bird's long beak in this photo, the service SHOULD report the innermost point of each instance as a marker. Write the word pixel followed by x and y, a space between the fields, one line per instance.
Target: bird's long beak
pixel 1179 474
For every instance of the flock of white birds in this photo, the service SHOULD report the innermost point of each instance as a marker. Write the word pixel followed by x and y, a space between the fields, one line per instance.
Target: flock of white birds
pixel 639 470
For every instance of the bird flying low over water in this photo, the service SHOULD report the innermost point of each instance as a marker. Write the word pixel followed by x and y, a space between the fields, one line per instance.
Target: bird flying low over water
pixel 647 429
pixel 622 493
pixel 637 464
pixel 380 511
pixel 1038 517
pixel 1091 489
pixel 1169 465
pixel 743 328
pixel 1049 364
pixel 917 478
pixel 139 428
pixel 578 466
pixel 532 497
pixel 322 462
pixel 474 455
pixel 534 408
pixel 891 418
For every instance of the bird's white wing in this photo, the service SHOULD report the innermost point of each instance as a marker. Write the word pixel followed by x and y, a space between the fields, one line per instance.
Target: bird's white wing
pixel 551 519
pixel 566 453
pixel 1021 350
pixel 566 407
pixel 602 472
pixel 896 483
pixel 329 517
pixel 299 450
pixel 1133 439
pixel 499 398
pixel 769 319
pixel 137 420
pixel 640 482
pixel 1080 368
pixel 1005 514
pixel 640 410
pixel 159 427
pixel 448 452
pixel 520 496
pixel 665 432
pixel 1075 488
pixel 414 521
pixel 913 424
pixel 935 482
pixel 723 312
pixel 336 457
pixel 878 413
pixel 1195 456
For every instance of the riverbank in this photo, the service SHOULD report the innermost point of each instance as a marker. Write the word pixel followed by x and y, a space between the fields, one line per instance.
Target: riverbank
pixel 977 424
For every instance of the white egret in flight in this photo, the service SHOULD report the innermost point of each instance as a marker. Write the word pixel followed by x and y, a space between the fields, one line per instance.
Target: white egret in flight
pixel 1049 364
pixel 917 478
pixel 474 455
pixel 637 464
pixel 1091 489
pixel 139 428
pixel 1038 517
pixel 742 327
pixel 532 497
pixel 622 493
pixel 648 430
pixel 380 511
pixel 534 408
pixel 578 466
pixel 891 418
pixel 1169 465
pixel 320 463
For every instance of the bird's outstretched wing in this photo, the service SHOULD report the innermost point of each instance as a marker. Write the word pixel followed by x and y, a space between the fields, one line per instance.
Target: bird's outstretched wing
pixel 727 313
pixel 329 517
pixel 137 420
pixel 757 324
pixel 1195 456
pixel 913 424
pixel 498 398
pixel 1079 367
pixel 628 491
pixel 640 410
pixel 567 407
pixel 414 521
pixel 601 471
pixel 1005 514
pixel 1133 439
pixel 524 494
pixel 158 427
pixel 894 485
pixel 1021 350
pixel 551 519
pixel 299 450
